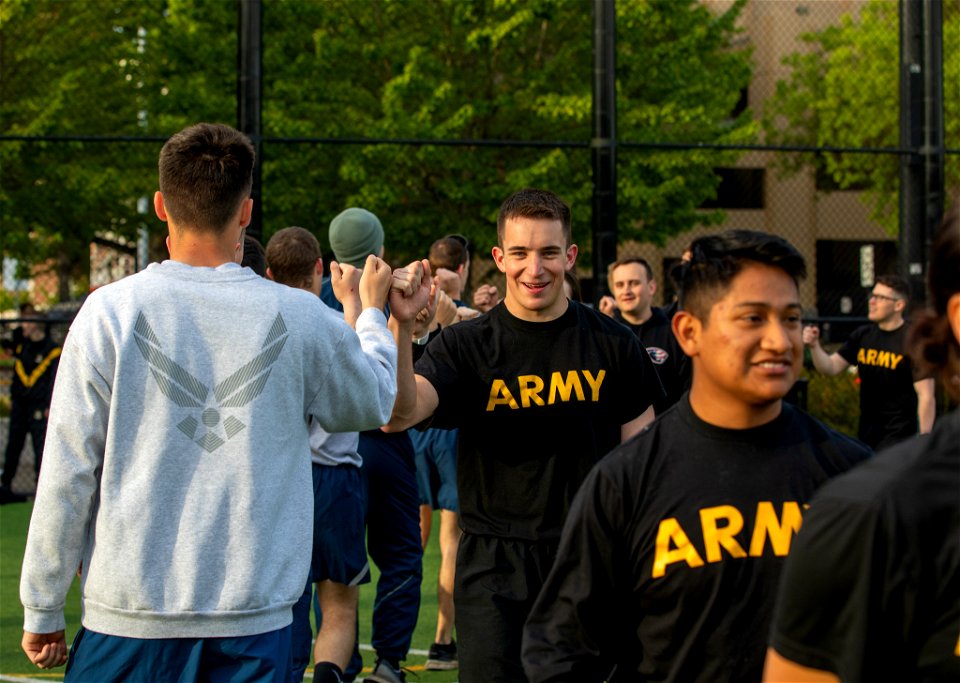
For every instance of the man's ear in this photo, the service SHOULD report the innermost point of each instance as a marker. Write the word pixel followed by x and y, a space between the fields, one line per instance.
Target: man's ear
pixel 497 254
pixel 246 212
pixel 572 251
pixel 653 287
pixel 318 269
pixel 158 206
pixel 953 315
pixel 270 274
pixel 687 329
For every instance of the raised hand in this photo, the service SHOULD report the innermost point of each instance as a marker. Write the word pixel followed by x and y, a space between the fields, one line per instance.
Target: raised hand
pixel 448 281
pixel 466 313
pixel 608 305
pixel 485 298
pixel 345 280
pixel 375 282
pixel 811 335
pixel 446 309
pixel 425 317
pixel 410 290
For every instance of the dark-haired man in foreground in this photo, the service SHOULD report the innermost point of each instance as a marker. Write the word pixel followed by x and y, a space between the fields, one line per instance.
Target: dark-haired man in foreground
pixel 669 559
pixel 176 470
pixel 540 387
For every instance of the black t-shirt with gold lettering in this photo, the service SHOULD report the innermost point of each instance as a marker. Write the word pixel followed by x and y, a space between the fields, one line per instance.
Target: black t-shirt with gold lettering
pixel 537 404
pixel 888 401
pixel 669 561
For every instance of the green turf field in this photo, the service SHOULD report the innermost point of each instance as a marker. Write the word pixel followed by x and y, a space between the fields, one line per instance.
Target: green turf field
pixel 14 665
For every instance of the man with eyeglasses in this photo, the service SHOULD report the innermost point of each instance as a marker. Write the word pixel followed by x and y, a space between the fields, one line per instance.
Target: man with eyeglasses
pixel 894 404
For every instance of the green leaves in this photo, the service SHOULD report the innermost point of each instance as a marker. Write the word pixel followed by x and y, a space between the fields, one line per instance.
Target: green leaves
pixel 844 92
pixel 438 69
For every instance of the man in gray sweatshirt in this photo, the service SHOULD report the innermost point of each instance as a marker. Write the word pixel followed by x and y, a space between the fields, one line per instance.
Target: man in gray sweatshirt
pixel 177 466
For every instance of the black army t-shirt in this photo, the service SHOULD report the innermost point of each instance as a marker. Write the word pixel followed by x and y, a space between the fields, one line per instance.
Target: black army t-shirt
pixel 671 363
pixel 537 404
pixel 888 401
pixel 872 589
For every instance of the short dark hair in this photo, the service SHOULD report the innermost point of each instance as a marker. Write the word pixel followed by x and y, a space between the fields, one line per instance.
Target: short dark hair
pixel 254 256
pixel 896 283
pixel 625 261
pixel 717 259
pixel 933 347
pixel 206 171
pixel 292 255
pixel 533 203
pixel 447 252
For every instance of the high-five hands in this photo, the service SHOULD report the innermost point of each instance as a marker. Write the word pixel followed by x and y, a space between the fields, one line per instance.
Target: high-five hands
pixel 410 290
pixel 375 282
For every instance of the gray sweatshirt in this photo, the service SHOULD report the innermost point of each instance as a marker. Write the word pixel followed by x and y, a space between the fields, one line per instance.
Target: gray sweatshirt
pixel 177 462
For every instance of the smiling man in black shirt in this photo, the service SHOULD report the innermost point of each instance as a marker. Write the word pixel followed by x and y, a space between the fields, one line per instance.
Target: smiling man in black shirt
pixel 540 387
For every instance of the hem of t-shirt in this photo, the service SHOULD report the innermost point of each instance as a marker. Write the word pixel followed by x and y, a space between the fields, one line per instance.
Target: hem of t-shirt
pixel 804 655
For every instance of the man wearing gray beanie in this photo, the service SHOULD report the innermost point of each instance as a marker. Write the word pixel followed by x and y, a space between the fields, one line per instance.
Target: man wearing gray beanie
pixel 354 234
pixel 393 500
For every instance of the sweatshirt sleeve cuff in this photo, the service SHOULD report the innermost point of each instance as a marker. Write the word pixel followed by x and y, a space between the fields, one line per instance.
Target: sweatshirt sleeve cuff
pixel 43 620
pixel 372 316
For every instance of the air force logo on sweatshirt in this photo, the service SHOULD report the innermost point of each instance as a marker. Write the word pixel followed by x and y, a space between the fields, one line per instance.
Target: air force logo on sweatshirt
pixel 206 424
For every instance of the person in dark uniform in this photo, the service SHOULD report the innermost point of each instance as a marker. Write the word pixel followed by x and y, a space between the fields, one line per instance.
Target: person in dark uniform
pixel 36 357
pixel 894 403
pixel 631 281
pixel 540 388
pixel 871 591
pixel 669 559
pixel 393 501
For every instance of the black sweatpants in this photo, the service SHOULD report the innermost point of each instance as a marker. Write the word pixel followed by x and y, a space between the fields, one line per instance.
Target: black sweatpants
pixel 26 417
pixel 497 581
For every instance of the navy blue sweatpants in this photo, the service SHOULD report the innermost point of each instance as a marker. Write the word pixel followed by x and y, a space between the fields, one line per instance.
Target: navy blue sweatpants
pixel 261 658
pixel 393 541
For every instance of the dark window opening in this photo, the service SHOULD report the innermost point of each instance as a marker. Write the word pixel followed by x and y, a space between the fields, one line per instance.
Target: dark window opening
pixel 739 188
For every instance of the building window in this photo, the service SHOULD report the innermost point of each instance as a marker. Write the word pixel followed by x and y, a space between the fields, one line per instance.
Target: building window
pixel 740 188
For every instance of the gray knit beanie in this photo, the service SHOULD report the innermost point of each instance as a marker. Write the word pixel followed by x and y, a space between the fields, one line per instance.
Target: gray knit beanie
pixel 354 235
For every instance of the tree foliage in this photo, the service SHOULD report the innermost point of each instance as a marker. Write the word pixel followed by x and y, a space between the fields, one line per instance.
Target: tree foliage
pixel 339 69
pixel 843 91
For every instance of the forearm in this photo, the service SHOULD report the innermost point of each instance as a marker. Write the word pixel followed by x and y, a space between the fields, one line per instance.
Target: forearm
pixel 824 363
pixel 379 347
pixel 926 404
pixel 405 406
pixel 351 311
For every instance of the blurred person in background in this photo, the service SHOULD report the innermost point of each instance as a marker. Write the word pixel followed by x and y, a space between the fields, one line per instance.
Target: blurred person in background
pixel 36 357
pixel 894 403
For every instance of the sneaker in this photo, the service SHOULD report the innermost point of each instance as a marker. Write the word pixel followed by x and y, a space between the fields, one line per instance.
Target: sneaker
pixel 442 657
pixel 384 672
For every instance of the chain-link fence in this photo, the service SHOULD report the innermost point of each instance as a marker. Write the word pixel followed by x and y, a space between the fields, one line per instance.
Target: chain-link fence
pixel 769 115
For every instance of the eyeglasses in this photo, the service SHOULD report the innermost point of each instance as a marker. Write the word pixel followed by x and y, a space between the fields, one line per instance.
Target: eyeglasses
pixel 884 297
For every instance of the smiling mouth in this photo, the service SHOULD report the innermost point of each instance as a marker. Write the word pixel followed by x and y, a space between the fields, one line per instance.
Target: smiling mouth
pixel 777 365
pixel 535 286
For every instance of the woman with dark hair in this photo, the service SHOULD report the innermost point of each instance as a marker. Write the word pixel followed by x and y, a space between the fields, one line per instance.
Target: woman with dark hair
pixel 871 589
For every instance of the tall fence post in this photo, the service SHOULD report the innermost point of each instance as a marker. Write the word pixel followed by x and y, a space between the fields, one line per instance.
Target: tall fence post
pixel 604 143
pixel 250 94
pixel 934 152
pixel 921 131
